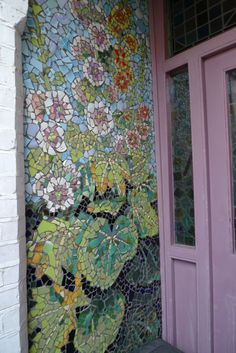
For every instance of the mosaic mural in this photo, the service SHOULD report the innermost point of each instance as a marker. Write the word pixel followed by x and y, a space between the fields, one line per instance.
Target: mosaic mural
pixel 92 225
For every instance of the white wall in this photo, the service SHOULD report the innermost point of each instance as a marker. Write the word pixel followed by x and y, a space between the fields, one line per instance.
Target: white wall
pixel 13 319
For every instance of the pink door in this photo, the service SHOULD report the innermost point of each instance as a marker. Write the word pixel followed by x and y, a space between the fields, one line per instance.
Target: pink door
pixel 198 277
pixel 220 78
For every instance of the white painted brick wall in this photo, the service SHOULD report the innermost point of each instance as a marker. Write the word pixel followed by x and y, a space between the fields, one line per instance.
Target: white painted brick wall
pixel 13 319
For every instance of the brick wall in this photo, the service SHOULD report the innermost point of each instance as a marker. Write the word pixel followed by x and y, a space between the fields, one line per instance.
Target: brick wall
pixel 13 323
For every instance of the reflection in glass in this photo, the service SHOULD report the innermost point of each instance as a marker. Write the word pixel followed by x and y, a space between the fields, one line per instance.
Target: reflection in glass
pixel 232 123
pixel 182 158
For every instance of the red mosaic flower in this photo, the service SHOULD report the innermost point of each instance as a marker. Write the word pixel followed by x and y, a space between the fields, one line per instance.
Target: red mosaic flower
pixel 122 80
pixel 133 139
pixel 121 58
pixel 131 42
pixel 143 113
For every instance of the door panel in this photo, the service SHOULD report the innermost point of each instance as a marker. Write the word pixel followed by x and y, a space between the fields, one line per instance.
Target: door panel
pixel 223 256
pixel 185 305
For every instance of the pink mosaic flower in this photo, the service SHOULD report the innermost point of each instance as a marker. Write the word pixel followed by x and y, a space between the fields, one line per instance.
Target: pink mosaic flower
pixel 35 106
pixel 58 191
pixel 51 138
pixel 58 106
pixel 94 71
pixel 79 91
pixel 99 118
pixel 100 38
pixel 81 47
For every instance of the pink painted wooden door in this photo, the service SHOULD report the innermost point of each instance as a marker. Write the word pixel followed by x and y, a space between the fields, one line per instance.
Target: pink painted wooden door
pixel 220 78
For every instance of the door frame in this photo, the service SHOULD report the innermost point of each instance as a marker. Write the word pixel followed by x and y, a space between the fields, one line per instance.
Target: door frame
pixel 200 255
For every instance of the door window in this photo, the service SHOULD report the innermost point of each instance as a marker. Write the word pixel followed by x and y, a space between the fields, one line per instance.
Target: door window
pixel 182 158
pixel 192 21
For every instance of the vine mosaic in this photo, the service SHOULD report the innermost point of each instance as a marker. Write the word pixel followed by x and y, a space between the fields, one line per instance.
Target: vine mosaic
pixel 92 224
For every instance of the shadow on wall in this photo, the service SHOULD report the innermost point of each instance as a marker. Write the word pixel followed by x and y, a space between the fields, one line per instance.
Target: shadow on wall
pixel 92 226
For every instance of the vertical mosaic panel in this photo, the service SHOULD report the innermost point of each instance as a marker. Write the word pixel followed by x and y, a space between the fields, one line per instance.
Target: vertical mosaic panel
pixel 92 225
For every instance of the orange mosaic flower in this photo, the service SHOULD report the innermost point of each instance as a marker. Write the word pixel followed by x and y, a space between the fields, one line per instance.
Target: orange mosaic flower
pixel 121 57
pixel 143 112
pixel 131 42
pixel 118 20
pixel 122 79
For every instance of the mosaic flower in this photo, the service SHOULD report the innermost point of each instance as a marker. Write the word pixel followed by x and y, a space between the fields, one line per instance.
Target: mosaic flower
pixel 122 79
pixel 35 107
pixel 119 20
pixel 142 131
pixel 82 48
pixel 58 191
pixel 121 57
pixel 51 138
pixel 143 113
pixel 54 104
pixel 100 38
pixel 133 139
pixel 94 71
pixel 99 118
pixel 58 106
pixel 79 91
pixel 132 43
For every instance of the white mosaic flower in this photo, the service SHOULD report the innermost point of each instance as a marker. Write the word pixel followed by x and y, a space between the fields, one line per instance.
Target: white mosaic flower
pixel 82 47
pixel 99 118
pixel 94 71
pixel 58 194
pixel 100 38
pixel 58 191
pixel 58 106
pixel 51 138
pixel 54 104
pixel 34 106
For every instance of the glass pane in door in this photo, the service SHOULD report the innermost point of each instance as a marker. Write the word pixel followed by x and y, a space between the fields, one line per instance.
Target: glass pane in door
pixel 182 158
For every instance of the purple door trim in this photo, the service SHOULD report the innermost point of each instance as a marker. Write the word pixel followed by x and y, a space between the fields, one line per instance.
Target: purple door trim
pixel 220 176
pixel 193 333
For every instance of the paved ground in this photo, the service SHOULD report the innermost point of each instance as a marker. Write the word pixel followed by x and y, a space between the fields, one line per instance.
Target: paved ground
pixel 158 346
